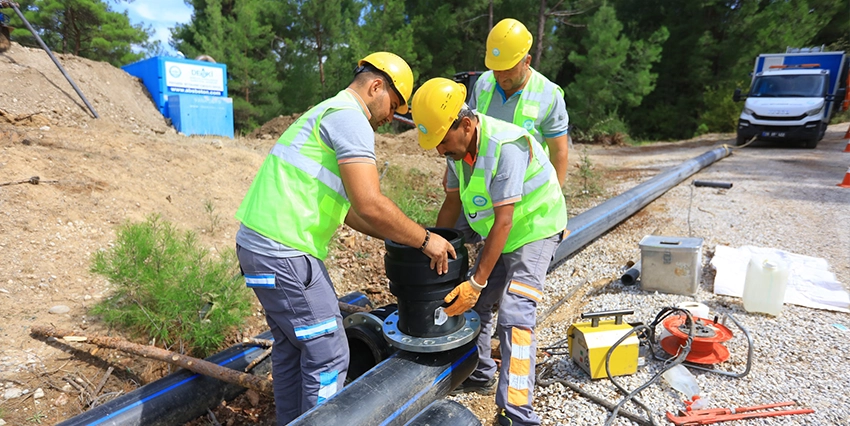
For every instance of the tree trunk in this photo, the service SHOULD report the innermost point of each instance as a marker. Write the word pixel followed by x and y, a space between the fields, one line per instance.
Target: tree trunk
pixel 196 365
pixel 541 31
pixel 490 22
pixel 319 56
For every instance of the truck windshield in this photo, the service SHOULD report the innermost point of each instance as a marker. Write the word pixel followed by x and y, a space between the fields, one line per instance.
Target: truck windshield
pixel 789 86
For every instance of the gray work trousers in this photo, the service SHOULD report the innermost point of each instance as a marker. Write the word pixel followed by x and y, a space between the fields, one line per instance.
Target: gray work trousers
pixel 516 284
pixel 310 354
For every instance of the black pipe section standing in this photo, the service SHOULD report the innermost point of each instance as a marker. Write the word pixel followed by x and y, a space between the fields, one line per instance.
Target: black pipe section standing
pixel 420 290
pixel 396 390
pixel 183 396
pixel 589 225
pixel 444 412
pixel 58 65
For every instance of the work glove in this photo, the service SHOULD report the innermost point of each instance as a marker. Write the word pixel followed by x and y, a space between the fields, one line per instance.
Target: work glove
pixel 463 297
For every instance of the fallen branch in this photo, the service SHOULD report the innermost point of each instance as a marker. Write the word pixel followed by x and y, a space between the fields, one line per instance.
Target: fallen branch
pixel 196 365
pixel 35 180
pixel 349 308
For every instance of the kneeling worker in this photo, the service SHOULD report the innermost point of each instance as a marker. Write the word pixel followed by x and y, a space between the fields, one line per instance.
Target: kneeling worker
pixel 500 178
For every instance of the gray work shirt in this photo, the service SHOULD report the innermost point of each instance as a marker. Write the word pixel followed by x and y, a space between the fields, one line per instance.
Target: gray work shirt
pixel 555 124
pixel 350 135
pixel 506 187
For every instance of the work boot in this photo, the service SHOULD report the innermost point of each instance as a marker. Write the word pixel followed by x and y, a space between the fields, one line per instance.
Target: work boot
pixel 503 420
pixel 483 388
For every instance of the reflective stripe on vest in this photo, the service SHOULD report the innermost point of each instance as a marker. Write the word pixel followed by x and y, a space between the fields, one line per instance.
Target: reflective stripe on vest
pixel 542 211
pixel 298 198
pixel 534 104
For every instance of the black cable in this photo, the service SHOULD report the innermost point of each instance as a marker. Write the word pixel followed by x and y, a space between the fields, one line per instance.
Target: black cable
pixel 664 313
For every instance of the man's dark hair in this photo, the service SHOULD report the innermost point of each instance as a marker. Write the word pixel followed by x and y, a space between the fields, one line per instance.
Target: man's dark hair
pixel 367 71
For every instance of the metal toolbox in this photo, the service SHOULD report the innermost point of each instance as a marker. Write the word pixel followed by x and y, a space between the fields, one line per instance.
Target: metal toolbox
pixel 670 264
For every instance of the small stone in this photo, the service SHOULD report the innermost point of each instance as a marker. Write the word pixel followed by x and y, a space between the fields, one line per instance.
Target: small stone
pixel 61 400
pixel 38 394
pixel 12 393
pixel 59 310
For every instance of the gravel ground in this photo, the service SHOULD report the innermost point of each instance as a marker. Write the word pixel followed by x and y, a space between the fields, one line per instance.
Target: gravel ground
pixel 784 198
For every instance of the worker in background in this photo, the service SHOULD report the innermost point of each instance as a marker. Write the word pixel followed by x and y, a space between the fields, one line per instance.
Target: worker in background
pixel 321 173
pixel 503 183
pixel 514 92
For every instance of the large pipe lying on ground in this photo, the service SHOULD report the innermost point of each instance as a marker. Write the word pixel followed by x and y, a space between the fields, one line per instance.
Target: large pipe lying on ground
pixel 591 224
pixel 395 390
pixel 176 398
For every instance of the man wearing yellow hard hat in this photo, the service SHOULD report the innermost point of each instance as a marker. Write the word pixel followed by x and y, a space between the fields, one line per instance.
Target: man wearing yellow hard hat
pixel 321 173
pixel 501 180
pixel 514 92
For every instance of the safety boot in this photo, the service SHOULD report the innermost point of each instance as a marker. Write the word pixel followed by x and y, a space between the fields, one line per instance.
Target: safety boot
pixel 483 388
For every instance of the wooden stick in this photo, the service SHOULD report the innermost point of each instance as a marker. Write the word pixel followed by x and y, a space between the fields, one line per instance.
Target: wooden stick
pixel 196 365
pixel 349 308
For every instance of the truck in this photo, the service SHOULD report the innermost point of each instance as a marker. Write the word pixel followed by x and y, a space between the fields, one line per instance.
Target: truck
pixel 793 95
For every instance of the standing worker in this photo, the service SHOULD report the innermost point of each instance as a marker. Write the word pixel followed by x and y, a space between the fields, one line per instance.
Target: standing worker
pixel 321 172
pixel 501 180
pixel 514 92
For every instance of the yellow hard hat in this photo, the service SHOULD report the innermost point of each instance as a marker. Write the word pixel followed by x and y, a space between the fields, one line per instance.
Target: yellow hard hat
pixel 397 70
pixel 435 107
pixel 508 43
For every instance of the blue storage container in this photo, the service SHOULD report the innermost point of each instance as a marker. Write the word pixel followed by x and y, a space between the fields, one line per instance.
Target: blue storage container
pixel 166 76
pixel 201 115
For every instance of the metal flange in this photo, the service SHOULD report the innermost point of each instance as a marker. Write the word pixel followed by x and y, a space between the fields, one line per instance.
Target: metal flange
pixel 364 318
pixel 468 331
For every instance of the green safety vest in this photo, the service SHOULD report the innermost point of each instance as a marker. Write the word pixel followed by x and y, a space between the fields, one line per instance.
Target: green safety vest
pixel 298 198
pixel 541 213
pixel 534 104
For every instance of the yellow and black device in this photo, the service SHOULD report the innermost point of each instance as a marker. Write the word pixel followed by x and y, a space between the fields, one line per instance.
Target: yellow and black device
pixel 589 342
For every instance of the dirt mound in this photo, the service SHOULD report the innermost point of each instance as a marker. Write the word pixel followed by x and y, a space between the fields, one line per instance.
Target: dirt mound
pixel 35 93
pixel 274 127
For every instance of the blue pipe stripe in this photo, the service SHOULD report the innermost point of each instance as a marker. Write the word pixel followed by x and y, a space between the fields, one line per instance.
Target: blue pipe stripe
pixel 418 395
pixel 355 300
pixel 170 388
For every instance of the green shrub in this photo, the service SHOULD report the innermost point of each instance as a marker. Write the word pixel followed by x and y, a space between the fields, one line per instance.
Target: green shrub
pixel 169 289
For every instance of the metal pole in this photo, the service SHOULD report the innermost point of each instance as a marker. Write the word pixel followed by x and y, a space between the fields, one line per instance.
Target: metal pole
pixel 49 53
pixel 589 225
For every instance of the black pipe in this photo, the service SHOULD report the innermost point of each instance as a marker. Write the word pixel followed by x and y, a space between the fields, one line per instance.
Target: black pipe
pixel 396 390
pixel 631 275
pixel 176 398
pixel 49 53
pixel 183 396
pixel 591 224
pixel 366 343
pixel 444 412
pixel 724 185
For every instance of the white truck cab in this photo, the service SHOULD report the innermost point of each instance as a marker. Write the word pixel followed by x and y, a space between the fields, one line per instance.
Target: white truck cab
pixel 792 97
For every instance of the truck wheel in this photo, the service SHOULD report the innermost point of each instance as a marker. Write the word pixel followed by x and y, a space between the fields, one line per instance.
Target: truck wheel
pixel 813 142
